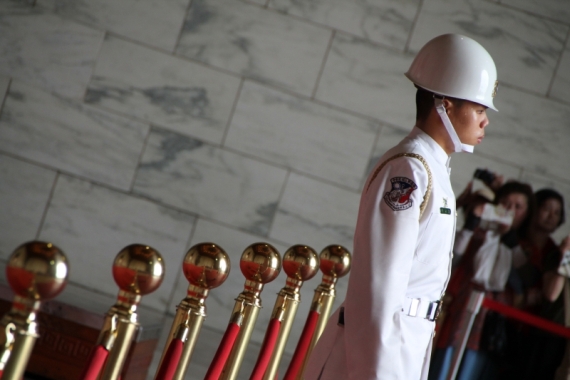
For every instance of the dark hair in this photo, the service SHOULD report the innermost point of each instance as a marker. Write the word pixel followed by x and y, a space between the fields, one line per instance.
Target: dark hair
pixel 513 187
pixel 543 195
pixel 424 103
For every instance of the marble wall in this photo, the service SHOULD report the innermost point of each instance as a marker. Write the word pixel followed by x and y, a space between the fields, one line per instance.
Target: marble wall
pixel 175 122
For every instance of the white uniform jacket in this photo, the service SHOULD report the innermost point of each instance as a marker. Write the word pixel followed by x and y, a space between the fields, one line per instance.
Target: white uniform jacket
pixel 398 256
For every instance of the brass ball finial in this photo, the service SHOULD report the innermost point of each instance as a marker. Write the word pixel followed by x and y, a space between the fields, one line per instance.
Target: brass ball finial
pixel 335 261
pixel 37 270
pixel 301 262
pixel 138 269
pixel 206 265
pixel 260 262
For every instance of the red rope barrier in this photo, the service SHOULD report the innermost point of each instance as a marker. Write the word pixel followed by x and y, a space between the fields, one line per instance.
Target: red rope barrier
pixel 95 364
pixel 223 352
pixel 302 346
pixel 266 350
pixel 530 319
pixel 171 360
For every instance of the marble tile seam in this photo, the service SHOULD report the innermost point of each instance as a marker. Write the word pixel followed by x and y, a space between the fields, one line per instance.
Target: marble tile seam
pixel 181 31
pixel 232 112
pixel 323 64
pixel 557 67
pixel 413 28
pixel 529 13
pixel 279 202
pixel 139 160
pixel 46 208
pixel 5 95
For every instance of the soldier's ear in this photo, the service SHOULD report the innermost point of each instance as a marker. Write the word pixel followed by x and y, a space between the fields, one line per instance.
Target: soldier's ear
pixel 448 104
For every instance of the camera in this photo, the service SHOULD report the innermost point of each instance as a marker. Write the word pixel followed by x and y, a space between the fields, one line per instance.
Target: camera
pixel 495 215
pixel 484 175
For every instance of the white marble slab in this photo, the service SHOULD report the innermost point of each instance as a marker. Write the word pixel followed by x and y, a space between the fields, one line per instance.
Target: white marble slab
pixel 255 42
pixel 70 136
pixel 24 194
pixel 368 79
pixel 525 48
pixel 162 89
pixel 553 9
pixel 301 135
pixel 561 85
pixel 130 18
pixel 48 51
pixel 529 131
pixel 316 214
pixel 388 22
pixel 209 181
pixel 92 224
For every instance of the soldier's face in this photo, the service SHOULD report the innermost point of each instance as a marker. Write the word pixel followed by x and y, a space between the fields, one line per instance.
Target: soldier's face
pixel 469 120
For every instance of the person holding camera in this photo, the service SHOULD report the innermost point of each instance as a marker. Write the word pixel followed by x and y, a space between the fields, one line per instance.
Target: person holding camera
pixel 484 250
pixel 544 272
pixel 406 222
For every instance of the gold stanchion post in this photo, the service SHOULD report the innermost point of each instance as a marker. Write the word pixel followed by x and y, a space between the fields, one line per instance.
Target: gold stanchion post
pixel 36 271
pixel 300 263
pixel 335 263
pixel 138 270
pixel 205 266
pixel 260 264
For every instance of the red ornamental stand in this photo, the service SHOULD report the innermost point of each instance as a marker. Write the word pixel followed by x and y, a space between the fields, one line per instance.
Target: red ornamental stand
pixel 301 263
pixel 138 270
pixel 95 364
pixel 205 266
pixel 260 264
pixel 36 271
pixel 335 263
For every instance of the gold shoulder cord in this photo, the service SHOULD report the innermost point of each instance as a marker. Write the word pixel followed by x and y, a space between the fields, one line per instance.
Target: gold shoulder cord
pixel 423 161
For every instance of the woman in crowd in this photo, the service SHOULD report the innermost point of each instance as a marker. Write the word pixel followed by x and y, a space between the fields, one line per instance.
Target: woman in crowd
pixel 484 249
pixel 534 353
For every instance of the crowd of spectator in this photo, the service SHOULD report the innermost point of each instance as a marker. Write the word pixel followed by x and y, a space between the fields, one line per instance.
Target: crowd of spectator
pixel 505 249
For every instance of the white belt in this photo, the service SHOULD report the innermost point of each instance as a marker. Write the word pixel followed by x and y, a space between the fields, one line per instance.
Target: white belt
pixel 421 307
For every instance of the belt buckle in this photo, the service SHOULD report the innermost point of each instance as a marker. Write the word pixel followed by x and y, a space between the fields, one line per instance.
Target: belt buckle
pixel 434 310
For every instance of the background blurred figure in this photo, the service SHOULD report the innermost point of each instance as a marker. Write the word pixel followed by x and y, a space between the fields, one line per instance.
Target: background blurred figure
pixel 485 248
pixel 533 353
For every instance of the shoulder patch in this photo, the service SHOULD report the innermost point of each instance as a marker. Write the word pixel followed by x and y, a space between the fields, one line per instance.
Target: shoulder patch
pixel 398 198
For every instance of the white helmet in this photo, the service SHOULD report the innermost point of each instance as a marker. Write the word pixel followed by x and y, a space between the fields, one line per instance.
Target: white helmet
pixel 456 66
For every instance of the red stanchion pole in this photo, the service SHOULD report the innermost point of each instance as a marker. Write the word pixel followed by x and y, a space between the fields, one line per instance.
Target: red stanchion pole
pixel 527 318
pixel 95 364
pixel 302 347
pixel 266 350
pixel 171 359
pixel 226 345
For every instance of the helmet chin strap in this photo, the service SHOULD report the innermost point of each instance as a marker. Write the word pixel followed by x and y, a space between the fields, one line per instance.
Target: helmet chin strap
pixel 457 144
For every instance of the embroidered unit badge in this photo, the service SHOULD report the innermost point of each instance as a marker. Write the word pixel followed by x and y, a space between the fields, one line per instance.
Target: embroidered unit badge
pixel 445 209
pixel 399 197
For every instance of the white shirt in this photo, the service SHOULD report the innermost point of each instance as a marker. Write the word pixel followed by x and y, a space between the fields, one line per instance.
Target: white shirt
pixel 397 255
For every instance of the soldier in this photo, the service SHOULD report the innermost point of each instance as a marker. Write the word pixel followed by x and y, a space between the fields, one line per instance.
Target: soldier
pixel 404 234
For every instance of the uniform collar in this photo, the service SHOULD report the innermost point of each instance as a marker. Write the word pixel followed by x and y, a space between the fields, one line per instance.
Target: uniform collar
pixel 435 149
